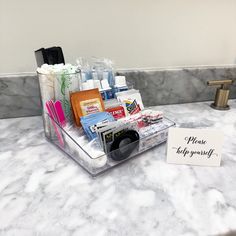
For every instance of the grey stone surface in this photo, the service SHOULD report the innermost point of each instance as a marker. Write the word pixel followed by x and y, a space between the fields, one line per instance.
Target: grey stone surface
pixel 19 94
pixel 45 193
pixel 179 85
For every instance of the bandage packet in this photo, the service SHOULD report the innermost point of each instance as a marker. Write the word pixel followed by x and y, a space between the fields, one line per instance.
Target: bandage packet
pixel 92 122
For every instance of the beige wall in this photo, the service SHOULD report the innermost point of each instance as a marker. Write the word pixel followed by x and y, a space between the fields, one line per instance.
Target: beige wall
pixel 134 33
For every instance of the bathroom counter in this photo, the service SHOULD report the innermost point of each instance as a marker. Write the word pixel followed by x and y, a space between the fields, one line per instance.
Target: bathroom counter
pixel 42 192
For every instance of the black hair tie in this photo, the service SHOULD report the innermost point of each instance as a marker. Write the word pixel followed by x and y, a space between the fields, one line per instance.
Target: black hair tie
pixel 118 152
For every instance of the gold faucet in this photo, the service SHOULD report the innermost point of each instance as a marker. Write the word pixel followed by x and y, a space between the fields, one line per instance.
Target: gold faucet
pixel 222 93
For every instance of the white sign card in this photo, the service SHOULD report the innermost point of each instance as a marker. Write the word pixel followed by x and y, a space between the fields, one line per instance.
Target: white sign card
pixel 194 146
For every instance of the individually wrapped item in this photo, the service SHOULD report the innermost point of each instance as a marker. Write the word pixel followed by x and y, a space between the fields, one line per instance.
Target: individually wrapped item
pixel 84 67
pixel 90 123
pixel 103 69
pixel 109 71
pixel 89 84
pixel 97 68
pixel 86 102
pixel 119 151
pixel 115 108
pixel 132 101
pixel 151 116
pixel 116 139
pixel 136 119
pixel 120 84
pixel 117 112
pixel 111 103
pixel 151 135
pixel 97 84
pixel 106 90
pixel 99 75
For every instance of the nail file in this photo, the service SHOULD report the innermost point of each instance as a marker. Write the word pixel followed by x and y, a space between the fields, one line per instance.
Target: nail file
pixel 53 110
pixel 60 113
pixel 50 108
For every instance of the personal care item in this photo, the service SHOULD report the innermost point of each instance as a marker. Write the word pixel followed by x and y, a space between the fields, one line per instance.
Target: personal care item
pixel 106 90
pixel 97 84
pixel 120 84
pixel 124 145
pixel 105 84
pixel 111 131
pixel 152 135
pixel 54 118
pixel 106 94
pixel 60 113
pixel 90 123
pixel 111 103
pixel 101 130
pixel 105 75
pixel 89 84
pixel 135 119
pixel 90 106
pixel 94 75
pixel 56 83
pixel 132 101
pixel 56 111
pixel 64 84
pixel 151 116
pixel 87 153
pixel 84 67
pixel 110 71
pixel 86 102
pixel 117 112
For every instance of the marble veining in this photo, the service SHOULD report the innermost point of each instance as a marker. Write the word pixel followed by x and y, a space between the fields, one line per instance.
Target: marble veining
pixel 161 87
pixel 42 192
pixel 19 95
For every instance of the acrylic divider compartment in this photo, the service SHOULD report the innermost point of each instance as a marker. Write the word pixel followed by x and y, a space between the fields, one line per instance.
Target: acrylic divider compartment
pixel 70 145
pixel 72 140
pixel 57 86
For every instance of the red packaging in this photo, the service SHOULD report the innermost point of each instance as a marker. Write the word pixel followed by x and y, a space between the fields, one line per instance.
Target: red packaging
pixel 117 112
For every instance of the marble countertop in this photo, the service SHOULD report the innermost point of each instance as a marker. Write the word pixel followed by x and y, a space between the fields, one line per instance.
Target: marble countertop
pixel 42 192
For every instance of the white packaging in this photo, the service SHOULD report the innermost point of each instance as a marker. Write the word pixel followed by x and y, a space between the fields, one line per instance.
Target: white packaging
pixel 105 84
pixel 120 81
pixel 132 101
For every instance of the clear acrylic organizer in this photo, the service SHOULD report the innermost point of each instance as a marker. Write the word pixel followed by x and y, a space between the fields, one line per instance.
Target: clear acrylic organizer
pixel 65 139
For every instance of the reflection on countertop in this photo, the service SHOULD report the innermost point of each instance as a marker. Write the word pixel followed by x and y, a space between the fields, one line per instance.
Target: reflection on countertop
pixel 42 192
